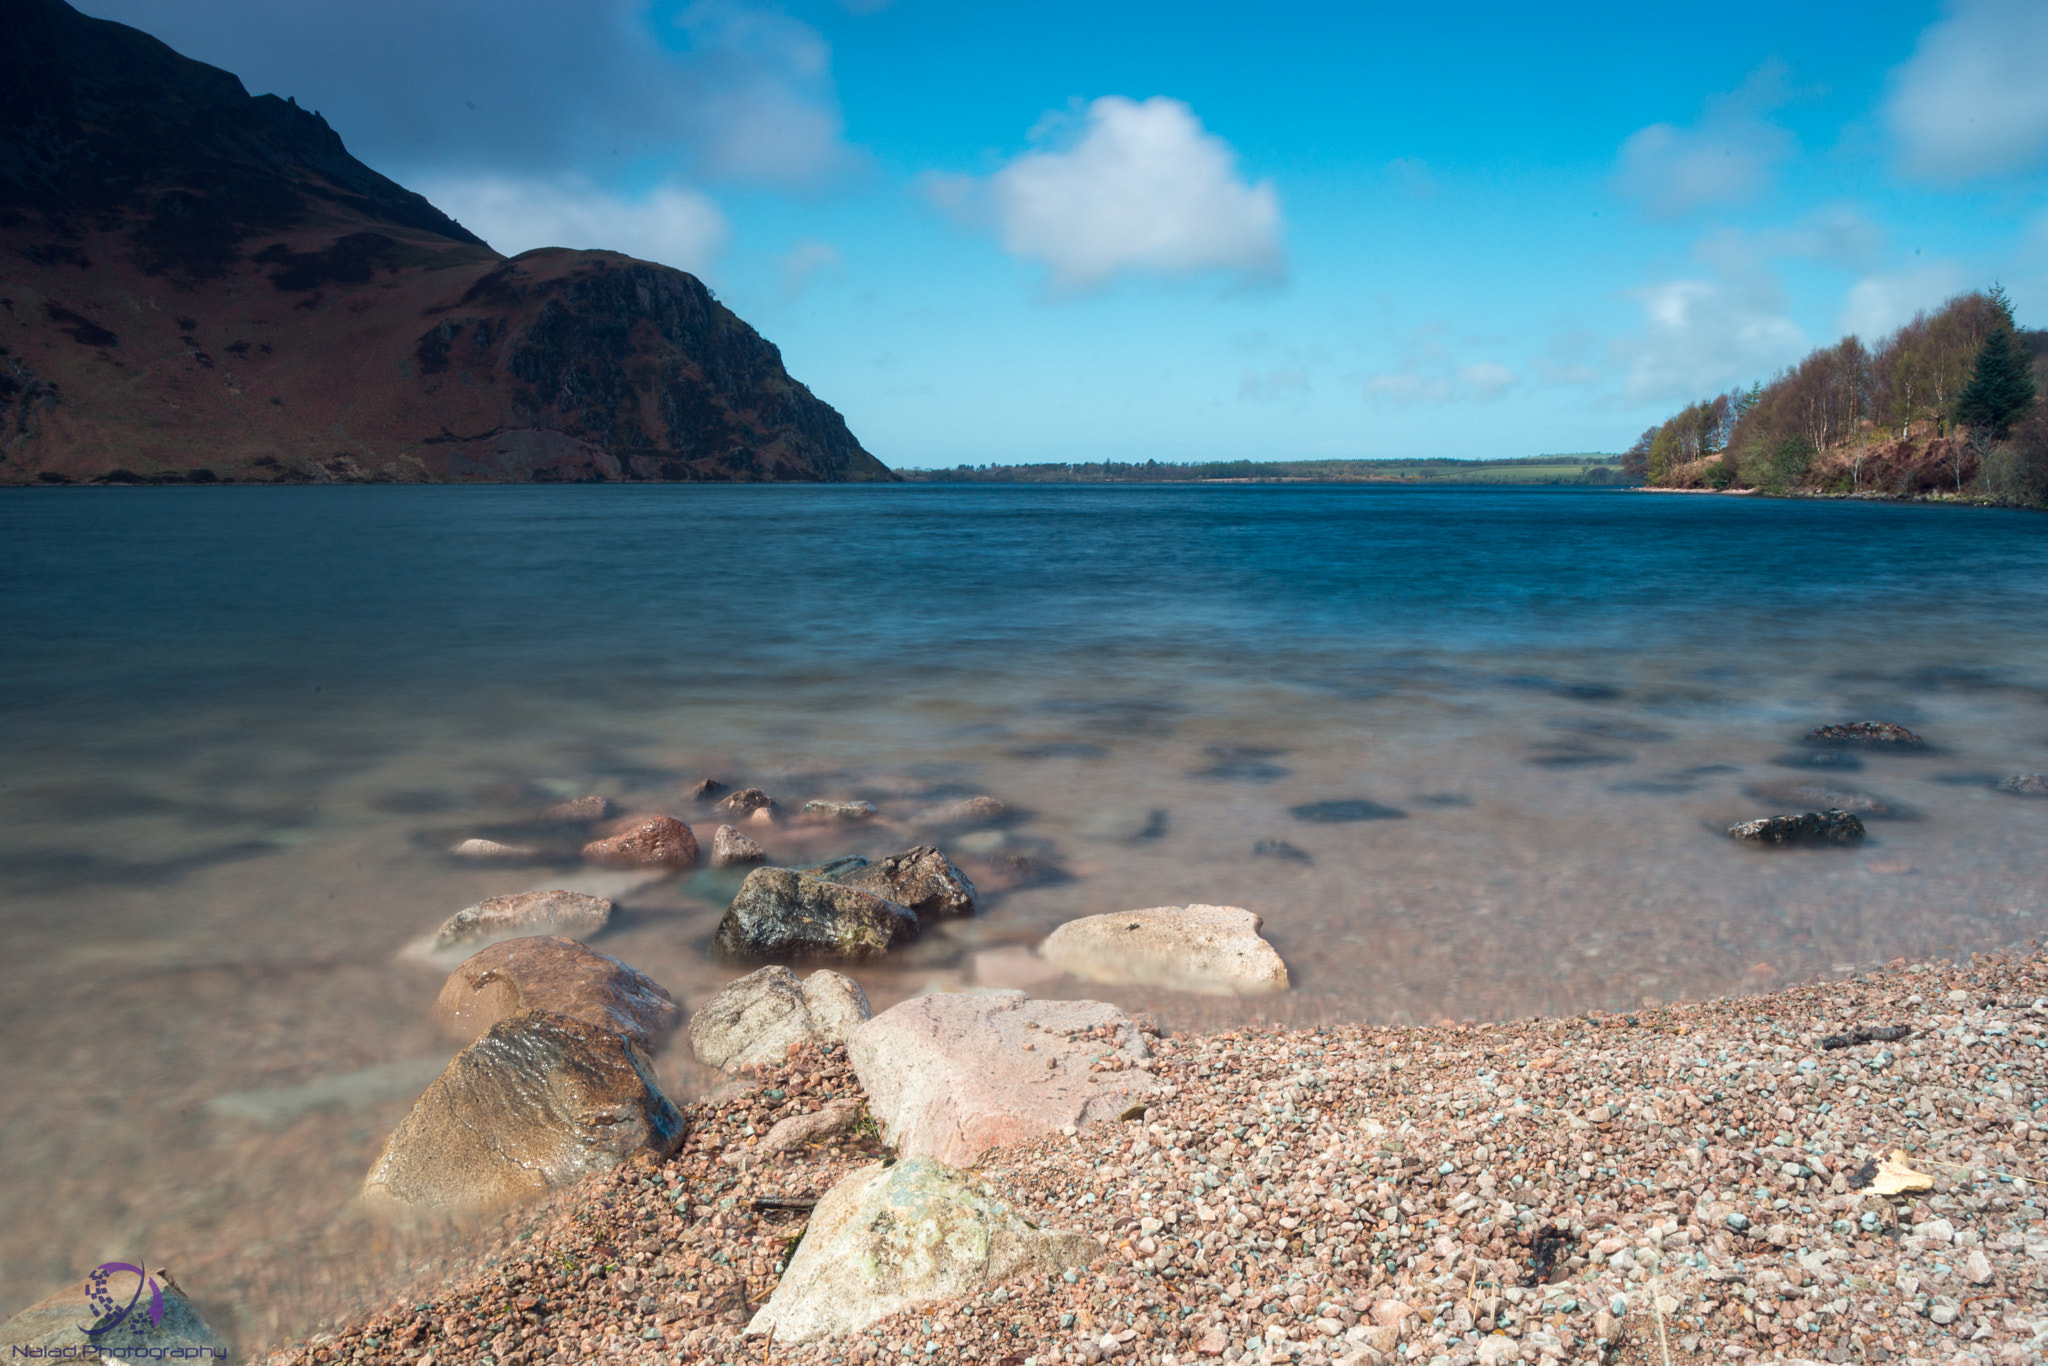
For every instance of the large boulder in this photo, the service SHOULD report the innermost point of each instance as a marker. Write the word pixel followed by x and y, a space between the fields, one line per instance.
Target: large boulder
pixel 781 913
pixel 953 1076
pixel 753 1021
pixel 132 1315
pixel 920 878
pixel 543 972
pixel 1808 827
pixel 647 842
pixel 554 911
pixel 889 1238
pixel 540 1101
pixel 1212 950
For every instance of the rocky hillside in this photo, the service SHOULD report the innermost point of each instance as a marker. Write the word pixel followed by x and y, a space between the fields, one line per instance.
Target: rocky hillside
pixel 199 285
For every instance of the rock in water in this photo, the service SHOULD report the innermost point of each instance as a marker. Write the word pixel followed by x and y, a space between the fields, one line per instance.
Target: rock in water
pixel 1867 735
pixel 840 811
pixel 523 913
pixel 578 811
pixel 1211 950
pixel 780 913
pixel 559 976
pixel 540 1101
pixel 704 790
pixel 491 849
pixel 2026 785
pixel 1825 798
pixel 920 878
pixel 156 1321
pixel 729 846
pixel 746 802
pixel 889 1238
pixel 754 1020
pixel 656 842
pixel 965 814
pixel 950 1076
pixel 1810 827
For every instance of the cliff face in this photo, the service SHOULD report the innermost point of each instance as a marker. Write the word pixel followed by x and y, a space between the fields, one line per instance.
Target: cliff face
pixel 197 285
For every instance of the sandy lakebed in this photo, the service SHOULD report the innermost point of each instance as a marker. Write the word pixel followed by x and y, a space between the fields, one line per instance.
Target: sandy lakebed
pixel 1686 1183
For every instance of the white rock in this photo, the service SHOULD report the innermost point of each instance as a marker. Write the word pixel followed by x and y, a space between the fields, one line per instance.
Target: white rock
pixel 1209 950
pixel 729 846
pixel 887 1239
pixel 755 1019
pixel 488 849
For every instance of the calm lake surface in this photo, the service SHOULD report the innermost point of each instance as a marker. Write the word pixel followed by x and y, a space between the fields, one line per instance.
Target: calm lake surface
pixel 243 727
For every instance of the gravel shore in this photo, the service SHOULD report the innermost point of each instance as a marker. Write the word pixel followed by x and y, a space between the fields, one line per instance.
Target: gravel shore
pixel 1680 1184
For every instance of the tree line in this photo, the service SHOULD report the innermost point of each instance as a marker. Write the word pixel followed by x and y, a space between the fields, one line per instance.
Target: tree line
pixel 1951 394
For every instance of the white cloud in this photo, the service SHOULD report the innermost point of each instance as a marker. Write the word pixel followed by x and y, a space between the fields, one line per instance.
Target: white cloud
pixel 1272 386
pixel 1128 187
pixel 1478 383
pixel 806 261
pixel 1973 100
pixel 1725 158
pixel 1879 303
pixel 674 226
pixel 1700 336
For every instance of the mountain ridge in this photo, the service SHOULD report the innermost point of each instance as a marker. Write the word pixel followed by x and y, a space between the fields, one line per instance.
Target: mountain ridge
pixel 200 285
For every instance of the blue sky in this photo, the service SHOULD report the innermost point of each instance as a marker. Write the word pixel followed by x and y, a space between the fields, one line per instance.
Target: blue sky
pixel 997 232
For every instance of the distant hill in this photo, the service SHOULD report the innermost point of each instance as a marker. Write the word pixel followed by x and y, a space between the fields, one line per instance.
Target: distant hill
pixel 1529 469
pixel 199 285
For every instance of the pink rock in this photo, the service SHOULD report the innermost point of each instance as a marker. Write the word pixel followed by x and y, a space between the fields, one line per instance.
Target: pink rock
pixel 586 808
pixel 523 913
pixel 652 842
pixel 950 1077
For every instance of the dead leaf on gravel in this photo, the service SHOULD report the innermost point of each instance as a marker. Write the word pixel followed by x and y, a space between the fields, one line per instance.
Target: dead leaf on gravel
pixel 1895 1176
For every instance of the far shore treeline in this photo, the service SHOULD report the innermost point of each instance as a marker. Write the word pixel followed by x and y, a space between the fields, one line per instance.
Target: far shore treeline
pixel 1585 468
pixel 1944 407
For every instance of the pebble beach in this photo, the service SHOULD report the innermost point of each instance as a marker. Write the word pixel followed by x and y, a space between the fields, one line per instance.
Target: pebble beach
pixel 1689 1183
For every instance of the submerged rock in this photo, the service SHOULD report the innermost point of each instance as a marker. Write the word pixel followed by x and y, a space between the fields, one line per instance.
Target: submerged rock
pixel 523 913
pixel 540 1101
pixel 1281 849
pixel 655 842
pixel 840 811
pixel 2026 785
pixel 951 1076
pixel 135 1316
pixel 1810 827
pixel 1344 811
pixel 1822 797
pixel 890 1237
pixel 746 802
pixel 781 913
pixel 563 977
pixel 921 878
pixel 578 811
pixel 1866 735
pixel 966 813
pixel 729 846
pixel 704 790
pixel 1210 950
pixel 491 849
pixel 753 1020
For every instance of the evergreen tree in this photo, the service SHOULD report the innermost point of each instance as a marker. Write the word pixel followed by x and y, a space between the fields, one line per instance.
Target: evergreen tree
pixel 2001 386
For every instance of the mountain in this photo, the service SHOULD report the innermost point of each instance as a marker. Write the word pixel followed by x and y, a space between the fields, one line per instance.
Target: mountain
pixel 200 285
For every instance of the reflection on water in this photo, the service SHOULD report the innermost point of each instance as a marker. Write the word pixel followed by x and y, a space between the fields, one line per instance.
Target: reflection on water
pixel 1468 752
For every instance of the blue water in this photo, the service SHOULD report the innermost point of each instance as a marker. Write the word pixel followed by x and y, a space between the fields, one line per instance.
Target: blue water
pixel 242 728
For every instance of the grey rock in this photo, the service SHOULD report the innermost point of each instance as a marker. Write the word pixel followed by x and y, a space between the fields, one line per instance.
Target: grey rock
pixel 729 847
pixel 752 1021
pixel 150 1320
pixel 1810 827
pixel 554 911
pixel 921 878
pixel 781 913
pixel 1866 735
pixel 835 1120
pixel 540 1101
pixel 578 810
pixel 889 1238
pixel 2026 785
pixel 840 811
pixel 746 802
pixel 1210 950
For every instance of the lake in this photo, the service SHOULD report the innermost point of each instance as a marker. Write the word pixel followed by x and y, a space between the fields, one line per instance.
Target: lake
pixel 1490 739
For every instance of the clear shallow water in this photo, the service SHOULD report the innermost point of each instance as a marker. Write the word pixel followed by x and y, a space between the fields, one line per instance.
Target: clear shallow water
pixel 243 725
